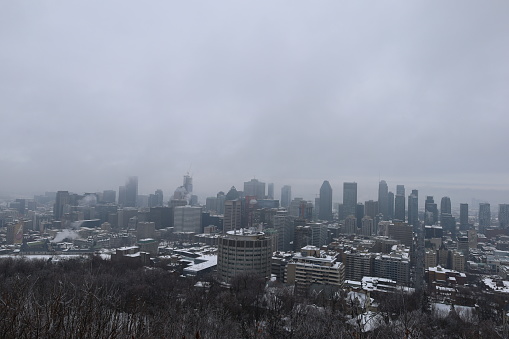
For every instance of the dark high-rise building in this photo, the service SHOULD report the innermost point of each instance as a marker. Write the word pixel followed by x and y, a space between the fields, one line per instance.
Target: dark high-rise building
pixel 156 199
pixel 503 215
pixel 359 213
pixel 325 202
pixel 430 211
pixel 286 196
pixel 188 183
pixel 109 196
pixel 383 199
pixel 413 209
pixel 400 190
pixel 390 205
pixel 464 225
pixel 232 194
pixel 270 191
pixel 254 188
pixel 349 198
pixel 371 208
pixel 445 205
pixel 484 216
pixel 121 195
pixel 63 198
pixel 399 207
pixel 131 191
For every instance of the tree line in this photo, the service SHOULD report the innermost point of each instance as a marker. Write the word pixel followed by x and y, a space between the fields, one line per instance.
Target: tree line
pixel 97 298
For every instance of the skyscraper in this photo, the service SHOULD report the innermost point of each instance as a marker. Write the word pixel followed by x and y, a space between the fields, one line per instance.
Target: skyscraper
pixel 131 191
pixel 349 198
pixel 413 209
pixel 188 183
pixel 371 208
pixel 63 198
pixel 232 215
pixel 286 196
pixel 399 207
pixel 270 191
pixel 503 215
pixel 325 212
pixel 445 205
pixel 254 188
pixel 430 211
pixel 464 225
pixel 484 216
pixel 383 199
pixel 359 213
pixel 400 190
pixel 390 205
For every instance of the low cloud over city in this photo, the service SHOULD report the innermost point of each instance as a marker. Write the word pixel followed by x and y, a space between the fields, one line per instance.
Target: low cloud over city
pixel 291 93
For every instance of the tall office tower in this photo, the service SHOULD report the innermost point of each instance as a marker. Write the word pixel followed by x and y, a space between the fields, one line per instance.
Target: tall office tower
pixel 211 204
pixel 303 236
pixel 464 225
pixel 254 188
pixel 359 213
pixel 383 199
pixel 286 196
pixel 221 198
pixel 484 217
pixel 503 215
pixel 244 252
pixel 187 219
pixel 325 202
pixel 270 191
pixel 448 223
pixel 63 198
pixel 121 195
pixel 188 183
pixel 430 211
pixel 285 230
pixel 232 215
pixel 317 208
pixel 445 205
pixel 390 205
pixel 131 191
pixel 399 207
pixel 371 208
pixel 21 205
pixel 159 197
pixel 109 196
pixel 349 198
pixel 413 209
pixel 400 190
pixel 341 212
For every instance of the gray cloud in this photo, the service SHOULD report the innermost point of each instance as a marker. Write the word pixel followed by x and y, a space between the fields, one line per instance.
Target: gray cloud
pixel 293 93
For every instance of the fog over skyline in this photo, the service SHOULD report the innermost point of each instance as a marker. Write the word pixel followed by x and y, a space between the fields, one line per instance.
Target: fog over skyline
pixel 294 93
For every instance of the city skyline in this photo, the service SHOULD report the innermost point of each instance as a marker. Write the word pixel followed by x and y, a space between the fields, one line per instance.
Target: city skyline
pixel 410 93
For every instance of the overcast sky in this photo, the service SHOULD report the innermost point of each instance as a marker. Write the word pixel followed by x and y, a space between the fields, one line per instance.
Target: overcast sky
pixel 290 92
